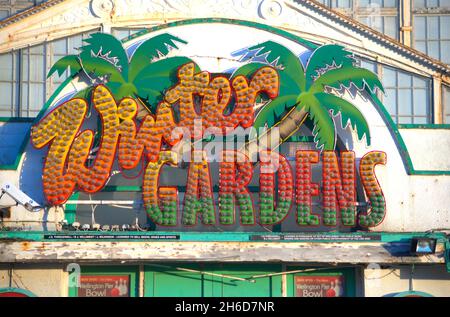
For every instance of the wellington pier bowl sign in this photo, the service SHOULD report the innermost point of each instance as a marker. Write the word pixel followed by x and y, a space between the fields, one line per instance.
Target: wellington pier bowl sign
pixel 225 124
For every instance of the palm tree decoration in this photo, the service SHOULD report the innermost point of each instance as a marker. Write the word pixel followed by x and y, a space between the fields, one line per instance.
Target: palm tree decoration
pixel 305 93
pixel 144 75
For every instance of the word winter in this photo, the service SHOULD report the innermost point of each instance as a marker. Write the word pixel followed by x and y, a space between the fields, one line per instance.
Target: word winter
pixel 280 187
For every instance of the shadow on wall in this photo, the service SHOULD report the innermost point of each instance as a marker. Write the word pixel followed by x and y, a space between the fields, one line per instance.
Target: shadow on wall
pixel 12 136
pixel 30 178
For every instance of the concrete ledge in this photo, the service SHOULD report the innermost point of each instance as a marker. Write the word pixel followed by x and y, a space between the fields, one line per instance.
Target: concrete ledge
pixel 344 252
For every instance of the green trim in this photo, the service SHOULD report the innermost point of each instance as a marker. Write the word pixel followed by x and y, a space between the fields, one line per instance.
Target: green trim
pixel 256 25
pixel 385 237
pixel 113 188
pixel 423 126
pixel 401 146
pixel 17 290
pixel 70 212
pixel 413 294
pixel 447 254
pixel 182 189
pixel 16 119
pixel 15 165
pixel 132 271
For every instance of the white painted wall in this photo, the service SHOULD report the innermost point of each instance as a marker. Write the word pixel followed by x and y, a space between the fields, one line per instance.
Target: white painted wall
pixel 41 280
pixel 429 148
pixel 431 279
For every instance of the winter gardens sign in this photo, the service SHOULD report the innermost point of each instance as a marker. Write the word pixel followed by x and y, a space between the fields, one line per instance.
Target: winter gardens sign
pixel 158 109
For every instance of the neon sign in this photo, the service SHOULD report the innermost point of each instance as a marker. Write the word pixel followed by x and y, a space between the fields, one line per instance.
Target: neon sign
pixel 222 104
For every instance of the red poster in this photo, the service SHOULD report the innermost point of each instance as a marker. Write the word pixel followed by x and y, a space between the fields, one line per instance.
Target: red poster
pixel 104 286
pixel 319 286
pixel 12 294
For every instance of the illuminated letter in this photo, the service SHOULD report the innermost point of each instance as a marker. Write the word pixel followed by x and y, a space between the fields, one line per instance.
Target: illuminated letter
pixel 91 179
pixel 149 136
pixel 305 189
pixel 377 210
pixel 59 128
pixel 199 196
pixel 232 186
pixel 272 163
pixel 168 195
pixel 339 191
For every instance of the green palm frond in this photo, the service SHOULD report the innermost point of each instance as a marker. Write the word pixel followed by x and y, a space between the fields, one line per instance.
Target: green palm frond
pixel 97 67
pixel 107 47
pixel 346 76
pixel 324 132
pixel 122 90
pixel 70 61
pixel 288 85
pixel 273 111
pixel 156 77
pixel 152 48
pixel 324 57
pixel 84 93
pixel 349 114
pixel 282 57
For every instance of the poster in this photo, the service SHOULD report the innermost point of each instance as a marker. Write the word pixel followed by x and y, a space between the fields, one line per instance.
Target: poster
pixel 104 286
pixel 319 286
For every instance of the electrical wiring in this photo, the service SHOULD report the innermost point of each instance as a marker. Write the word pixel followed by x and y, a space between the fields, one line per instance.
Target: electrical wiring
pixel 122 206
pixel 297 271
pixel 380 277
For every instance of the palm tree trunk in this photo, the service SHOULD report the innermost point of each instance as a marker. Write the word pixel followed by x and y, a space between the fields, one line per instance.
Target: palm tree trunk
pixel 278 133
pixel 142 110
pixel 271 139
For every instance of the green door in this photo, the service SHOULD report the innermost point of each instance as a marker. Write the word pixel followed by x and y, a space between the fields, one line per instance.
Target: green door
pixel 212 280
pixel 221 280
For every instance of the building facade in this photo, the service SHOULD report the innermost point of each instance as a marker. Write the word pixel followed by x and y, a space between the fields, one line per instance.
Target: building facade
pixel 129 166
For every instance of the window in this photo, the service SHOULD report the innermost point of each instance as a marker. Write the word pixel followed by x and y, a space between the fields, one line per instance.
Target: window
pixel 370 65
pixel 446 103
pixel 123 33
pixel 381 15
pixel 24 85
pixel 407 98
pixel 4 14
pixel 61 48
pixel 8 84
pixel 11 7
pixel 32 80
pixel 385 24
pixel 431 33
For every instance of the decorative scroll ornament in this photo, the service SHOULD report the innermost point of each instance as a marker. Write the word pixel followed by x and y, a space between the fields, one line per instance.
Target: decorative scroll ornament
pixel 270 9
pixel 102 8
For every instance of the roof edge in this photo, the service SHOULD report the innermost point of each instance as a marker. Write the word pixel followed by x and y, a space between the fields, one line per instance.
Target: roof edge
pixel 388 41
pixel 339 17
pixel 24 14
